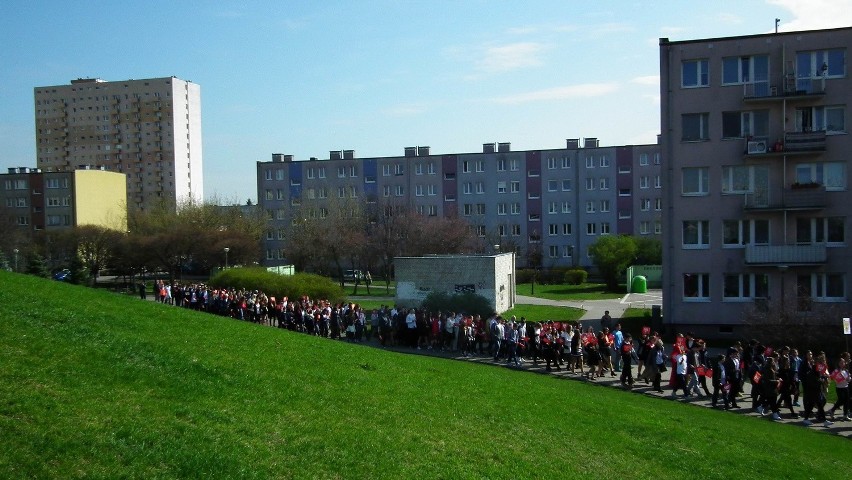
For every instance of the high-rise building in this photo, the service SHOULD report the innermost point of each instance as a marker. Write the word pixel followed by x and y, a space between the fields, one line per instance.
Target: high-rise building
pixel 556 202
pixel 755 153
pixel 149 130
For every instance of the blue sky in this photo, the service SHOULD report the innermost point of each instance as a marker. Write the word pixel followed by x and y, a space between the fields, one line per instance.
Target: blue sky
pixel 306 77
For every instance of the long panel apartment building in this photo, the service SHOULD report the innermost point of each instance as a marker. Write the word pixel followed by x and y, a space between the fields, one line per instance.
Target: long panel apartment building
pixel 148 129
pixel 755 147
pixel 557 201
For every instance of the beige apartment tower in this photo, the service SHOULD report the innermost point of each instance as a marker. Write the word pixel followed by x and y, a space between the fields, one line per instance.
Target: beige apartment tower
pixel 150 130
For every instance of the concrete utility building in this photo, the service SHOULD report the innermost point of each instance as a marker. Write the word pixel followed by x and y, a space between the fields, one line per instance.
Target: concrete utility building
pixel 755 153
pixel 148 129
pixel 490 276
pixel 554 201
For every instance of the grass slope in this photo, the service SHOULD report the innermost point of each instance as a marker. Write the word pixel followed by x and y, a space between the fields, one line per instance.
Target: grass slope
pixel 94 384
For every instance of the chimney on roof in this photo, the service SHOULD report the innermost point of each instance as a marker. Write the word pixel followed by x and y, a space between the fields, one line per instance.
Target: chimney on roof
pixel 410 151
pixel 504 147
pixel 590 142
pixel 489 147
pixel 348 154
pixel 423 151
pixel 335 155
pixel 572 143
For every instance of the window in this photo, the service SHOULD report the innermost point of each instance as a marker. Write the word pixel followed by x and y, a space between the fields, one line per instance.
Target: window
pixel 321 172
pixel 604 183
pixel 658 181
pixel 513 164
pixel 418 190
pixel 696 286
pixel 624 213
pixel 341 172
pixel 566 229
pixel 696 234
pixel 604 205
pixel 605 228
pixel 465 166
pixel 467 188
pixel 353 171
pixel 566 162
pixel 533 173
pixel 736 233
pixel 604 161
pixel 819 64
pixel 399 169
pixel 551 163
pixel 623 169
pixel 553 229
pixel 745 286
pixel 533 195
pixel 744 179
pixel 645 204
pixel 624 192
pixel 431 190
pixel 590 207
pixel 745 124
pixel 643 160
pixel 501 164
pixel 590 184
pixel 502 230
pixel 430 168
pixel 695 73
pixel 567 251
pixel 501 187
pixel 740 70
pixel 480 230
pixel 386 190
pixel 695 127
pixel 644 227
pixel 643 181
pixel 658 204
pixel 820 230
pixel 566 185
pixel 566 207
pixel 591 229
pixel 553 251
pixel 831 119
pixel 830 174
pixel 656 159
pixel 480 166
pixel 501 209
pixel 480 188
pixel 552 185
pixel 480 209
pixel 400 190
pixel 515 187
pixel 516 230
pixel 829 287
pixel 696 181
pixel 311 173
pixel 515 209
pixel 468 209
pixel 418 169
pixel 386 170
pixel 552 208
pixel 658 227
pixel 590 162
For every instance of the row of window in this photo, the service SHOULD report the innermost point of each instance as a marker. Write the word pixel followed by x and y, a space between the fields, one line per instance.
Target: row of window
pixel 695 127
pixel 747 286
pixel 744 179
pixel 738 233
pixel 754 69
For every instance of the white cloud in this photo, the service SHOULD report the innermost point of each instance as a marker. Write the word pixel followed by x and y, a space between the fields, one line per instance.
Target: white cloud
pixel 651 80
pixel 815 14
pixel 511 57
pixel 559 93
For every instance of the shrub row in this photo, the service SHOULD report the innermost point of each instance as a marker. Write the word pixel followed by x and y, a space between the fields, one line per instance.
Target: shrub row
pixel 553 276
pixel 291 286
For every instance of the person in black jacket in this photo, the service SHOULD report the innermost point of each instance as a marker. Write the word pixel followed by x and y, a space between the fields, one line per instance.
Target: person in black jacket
pixel 733 375
pixel 812 389
pixel 719 381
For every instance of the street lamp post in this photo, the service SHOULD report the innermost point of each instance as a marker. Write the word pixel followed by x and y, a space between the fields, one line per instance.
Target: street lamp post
pixel 16 258
pixel 227 249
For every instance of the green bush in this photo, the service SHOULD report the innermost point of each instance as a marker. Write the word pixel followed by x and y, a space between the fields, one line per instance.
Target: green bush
pixel 467 303
pixel 291 286
pixel 577 276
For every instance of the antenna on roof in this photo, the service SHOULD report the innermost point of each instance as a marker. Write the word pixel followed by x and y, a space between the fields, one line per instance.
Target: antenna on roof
pixel 777 21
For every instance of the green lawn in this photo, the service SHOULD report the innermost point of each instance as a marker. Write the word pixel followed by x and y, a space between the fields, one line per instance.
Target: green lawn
pixel 540 313
pixel 94 384
pixel 587 291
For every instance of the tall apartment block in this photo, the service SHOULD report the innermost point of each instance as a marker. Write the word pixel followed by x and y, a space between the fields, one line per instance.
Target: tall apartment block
pixel 149 130
pixel 556 201
pixel 755 151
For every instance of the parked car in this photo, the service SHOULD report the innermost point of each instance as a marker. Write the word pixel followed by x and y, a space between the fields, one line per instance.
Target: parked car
pixel 353 274
pixel 62 275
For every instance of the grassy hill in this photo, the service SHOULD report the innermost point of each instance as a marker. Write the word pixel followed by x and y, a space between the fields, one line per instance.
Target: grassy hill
pixel 94 384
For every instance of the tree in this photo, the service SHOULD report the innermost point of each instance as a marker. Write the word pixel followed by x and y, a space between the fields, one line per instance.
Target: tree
pixel 36 265
pixel 649 251
pixel 612 255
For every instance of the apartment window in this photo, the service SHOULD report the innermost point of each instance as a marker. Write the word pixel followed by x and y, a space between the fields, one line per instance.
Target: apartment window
pixel 695 127
pixel 418 169
pixel 604 161
pixel 480 188
pixel 566 207
pixel 467 188
pixel 553 251
pixel 624 192
pixel 501 164
pixel 821 64
pixel 551 163
pixel 386 170
pixel 341 172
pixel 644 227
pixel 533 173
pixel 696 286
pixel 645 204
pixel 480 166
pixel 590 184
pixel 516 230
pixel 736 233
pixel 625 213
pixel 533 217
pixel 696 181
pixel 321 172
pixel 827 287
pixel 480 209
pixel 552 208
pixel 501 187
pixel 513 164
pixel 552 185
pixel 658 227
pixel 566 229
pixel 830 174
pixel 829 230
pixel 55 202
pixel 386 190
pixel 553 229
pixel 695 73
pixel 431 190
pixel 467 210
pixel 658 181
pixel 643 160
pixel 830 119
pixel 566 162
pixel 430 168
pixel 311 194
pixel 533 195
pixel 311 173
pixel 449 197
pixel 353 171
pixel 566 185
pixel 624 169
pixel 745 286
pixel 590 162
pixel 399 169
pixel 658 204
pixel 590 206
pixel 604 183
pixel 643 181
pixel 604 206
pixel 656 159
pixel 591 229
pixel 465 166
pixel 400 190
pixel 745 124
pixel 515 187
pixel 515 209
pixel 480 230
pixel 740 70
pixel 267 175
pixel 418 190
pixel 696 234
pixel 605 228
pixel 567 251
pixel 502 230
pixel 501 209
pixel 744 179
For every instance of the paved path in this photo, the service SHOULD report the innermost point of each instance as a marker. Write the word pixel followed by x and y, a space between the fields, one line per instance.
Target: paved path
pixel 595 308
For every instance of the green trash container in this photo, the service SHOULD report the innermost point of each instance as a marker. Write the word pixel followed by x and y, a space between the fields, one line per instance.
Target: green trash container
pixel 639 285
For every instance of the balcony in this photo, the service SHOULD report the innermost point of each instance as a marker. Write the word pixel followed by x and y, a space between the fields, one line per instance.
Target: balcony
pixel 804 197
pixel 792 88
pixel 795 143
pixel 785 254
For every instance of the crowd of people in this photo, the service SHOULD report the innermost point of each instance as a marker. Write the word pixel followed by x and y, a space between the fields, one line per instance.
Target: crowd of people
pixel 779 378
